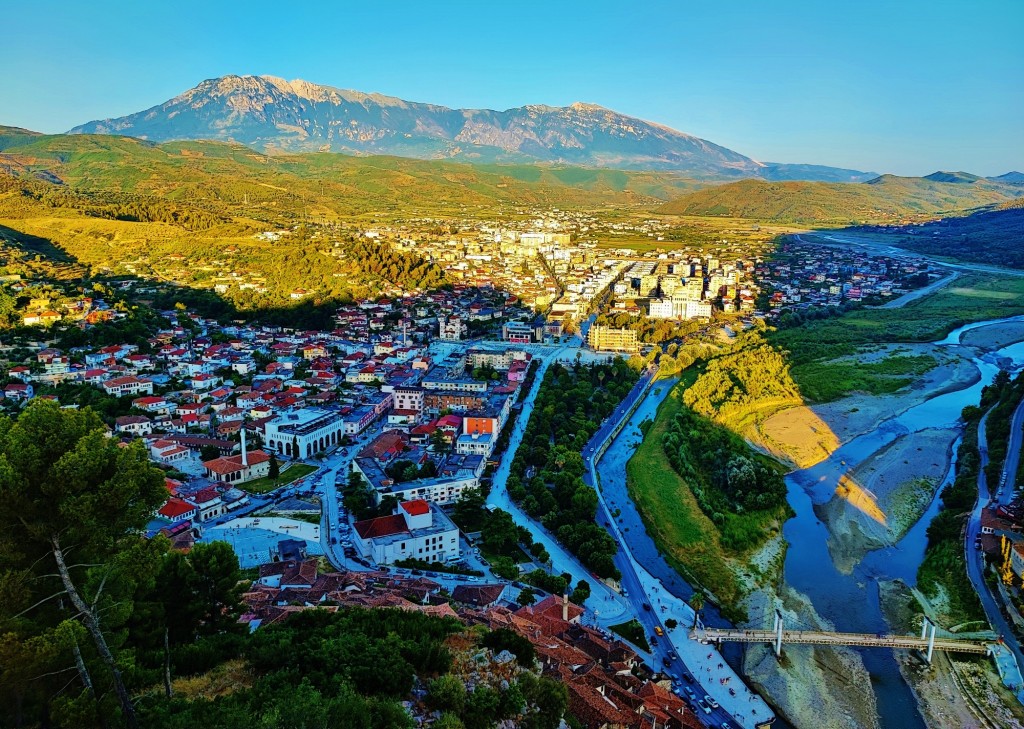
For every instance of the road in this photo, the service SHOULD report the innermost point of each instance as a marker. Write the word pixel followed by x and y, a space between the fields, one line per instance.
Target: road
pixel 694 666
pixel 975 557
pixel 1008 480
pixel 921 292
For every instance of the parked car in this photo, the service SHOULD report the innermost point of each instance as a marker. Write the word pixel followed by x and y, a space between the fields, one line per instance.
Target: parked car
pixel 711 702
pixel 704 707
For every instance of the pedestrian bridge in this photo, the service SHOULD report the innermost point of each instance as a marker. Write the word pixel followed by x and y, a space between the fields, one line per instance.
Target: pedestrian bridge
pixel 927 642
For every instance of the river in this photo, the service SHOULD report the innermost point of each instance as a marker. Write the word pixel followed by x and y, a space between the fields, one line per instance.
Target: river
pixel 851 602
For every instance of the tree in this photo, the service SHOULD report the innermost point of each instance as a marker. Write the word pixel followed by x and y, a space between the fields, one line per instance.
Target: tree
pixel 209 453
pixel 66 488
pixel 447 693
pixel 697 603
pixel 275 468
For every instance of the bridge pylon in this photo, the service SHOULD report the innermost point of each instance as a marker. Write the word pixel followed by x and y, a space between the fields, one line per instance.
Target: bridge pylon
pixel 778 633
pixel 928 632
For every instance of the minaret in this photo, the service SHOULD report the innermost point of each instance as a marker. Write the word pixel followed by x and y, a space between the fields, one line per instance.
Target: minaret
pixel 245 456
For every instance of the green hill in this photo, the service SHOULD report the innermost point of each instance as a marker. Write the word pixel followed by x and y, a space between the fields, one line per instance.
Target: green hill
pixel 221 175
pixel 885 198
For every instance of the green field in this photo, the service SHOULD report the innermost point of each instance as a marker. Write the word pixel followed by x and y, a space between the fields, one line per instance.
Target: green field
pixel 289 474
pixel 813 347
pixel 825 381
pixel 632 631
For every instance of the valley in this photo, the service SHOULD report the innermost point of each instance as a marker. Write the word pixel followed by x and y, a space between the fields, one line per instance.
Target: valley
pixel 571 386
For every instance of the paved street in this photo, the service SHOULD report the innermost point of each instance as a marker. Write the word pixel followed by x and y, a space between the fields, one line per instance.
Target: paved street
pixel 975 559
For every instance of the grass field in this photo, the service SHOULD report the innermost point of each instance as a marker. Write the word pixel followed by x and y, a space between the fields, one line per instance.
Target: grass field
pixel 632 631
pixel 978 297
pixel 688 539
pixel 825 381
pixel 288 475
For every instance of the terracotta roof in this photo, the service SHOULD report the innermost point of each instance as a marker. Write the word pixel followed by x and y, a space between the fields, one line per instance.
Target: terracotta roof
pixel 478 595
pixel 176 508
pixel 382 526
pixel 416 507
pixel 230 464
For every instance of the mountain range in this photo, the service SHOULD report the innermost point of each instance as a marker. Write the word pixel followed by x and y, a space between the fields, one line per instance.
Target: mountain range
pixel 275 115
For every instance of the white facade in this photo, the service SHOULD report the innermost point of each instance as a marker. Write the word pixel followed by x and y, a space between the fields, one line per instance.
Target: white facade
pixel 304 433
pixel 417 531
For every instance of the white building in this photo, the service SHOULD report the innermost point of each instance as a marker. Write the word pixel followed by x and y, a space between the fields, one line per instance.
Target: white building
pixel 408 398
pixel 480 444
pixel 451 329
pixel 417 530
pixel 304 433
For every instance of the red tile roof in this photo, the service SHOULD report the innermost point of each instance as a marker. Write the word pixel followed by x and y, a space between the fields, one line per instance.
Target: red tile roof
pixel 382 526
pixel 175 508
pixel 416 507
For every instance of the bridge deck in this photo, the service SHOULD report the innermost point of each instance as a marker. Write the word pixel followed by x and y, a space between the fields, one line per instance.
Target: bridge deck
pixel 808 637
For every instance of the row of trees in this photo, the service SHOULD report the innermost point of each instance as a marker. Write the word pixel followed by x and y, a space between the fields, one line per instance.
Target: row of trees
pixel 546 476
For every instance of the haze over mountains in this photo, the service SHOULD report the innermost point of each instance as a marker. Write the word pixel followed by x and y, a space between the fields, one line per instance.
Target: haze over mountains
pixel 275 115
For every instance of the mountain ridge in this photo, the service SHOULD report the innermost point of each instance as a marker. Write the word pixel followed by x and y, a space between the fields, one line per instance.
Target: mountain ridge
pixel 276 115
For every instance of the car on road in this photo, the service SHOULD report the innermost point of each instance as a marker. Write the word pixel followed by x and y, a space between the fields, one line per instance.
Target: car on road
pixel 687 677
pixel 689 692
pixel 647 606
pixel 666 662
pixel 704 707
pixel 711 701
pixel 658 630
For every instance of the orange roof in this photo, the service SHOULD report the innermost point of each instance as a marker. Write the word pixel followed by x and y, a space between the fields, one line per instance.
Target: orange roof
pixel 230 464
pixel 416 507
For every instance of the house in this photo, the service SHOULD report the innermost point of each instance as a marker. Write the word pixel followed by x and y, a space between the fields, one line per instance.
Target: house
pixel 19 391
pixel 478 596
pixel 177 509
pixel 120 386
pixel 153 404
pixel 239 469
pixel 134 424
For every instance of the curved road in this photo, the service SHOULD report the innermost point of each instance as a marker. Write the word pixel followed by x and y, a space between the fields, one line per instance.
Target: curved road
pixel 975 557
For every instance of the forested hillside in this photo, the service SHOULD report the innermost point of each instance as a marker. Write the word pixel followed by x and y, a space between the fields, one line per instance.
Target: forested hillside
pixel 882 199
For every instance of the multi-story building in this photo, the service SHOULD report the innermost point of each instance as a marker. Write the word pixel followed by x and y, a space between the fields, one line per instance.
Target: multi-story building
pixel 451 328
pixel 304 433
pixel 417 530
pixel 408 398
pixel 612 339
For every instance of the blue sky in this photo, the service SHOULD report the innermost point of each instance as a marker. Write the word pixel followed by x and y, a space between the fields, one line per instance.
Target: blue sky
pixel 902 86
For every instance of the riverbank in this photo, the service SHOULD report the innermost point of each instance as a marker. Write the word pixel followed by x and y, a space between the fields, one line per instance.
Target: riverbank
pixel 804 435
pixel 952 693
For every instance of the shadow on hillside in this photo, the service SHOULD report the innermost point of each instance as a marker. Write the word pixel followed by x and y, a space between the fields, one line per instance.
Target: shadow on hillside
pixel 34 245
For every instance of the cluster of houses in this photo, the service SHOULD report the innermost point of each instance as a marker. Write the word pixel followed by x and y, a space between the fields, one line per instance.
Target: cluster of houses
pixel 48 304
pixel 804 275
pixel 605 679
pixel 215 406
